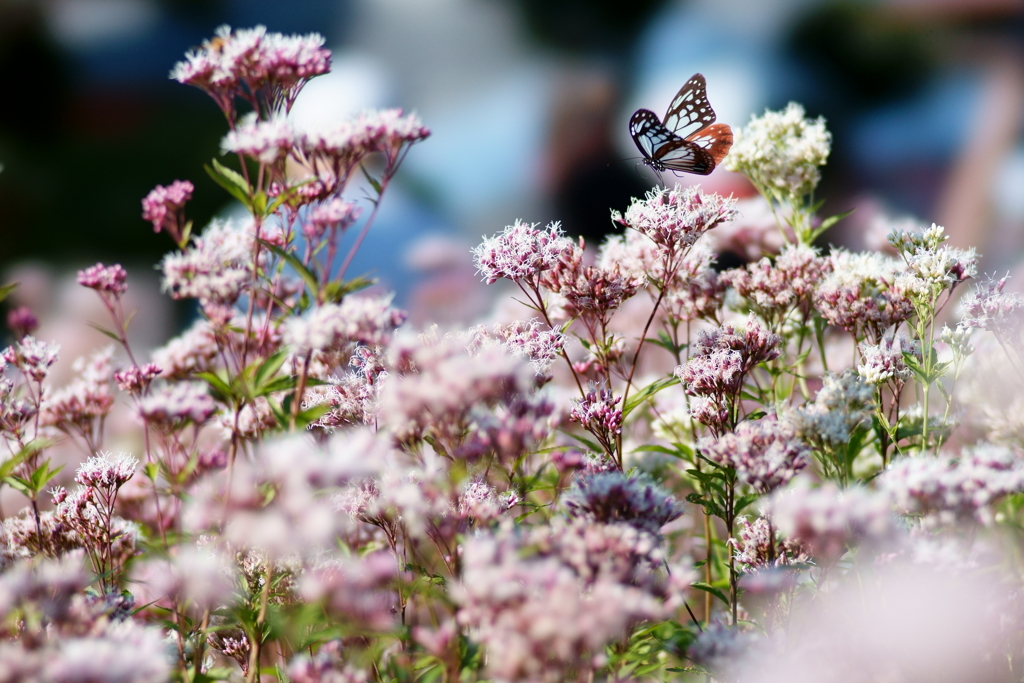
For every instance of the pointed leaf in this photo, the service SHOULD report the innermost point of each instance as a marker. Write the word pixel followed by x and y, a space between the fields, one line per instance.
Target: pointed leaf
pixel 231 180
pixel 303 271
pixel 5 290
pixel 648 391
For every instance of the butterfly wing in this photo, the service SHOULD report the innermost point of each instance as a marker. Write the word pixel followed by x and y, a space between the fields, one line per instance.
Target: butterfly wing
pixel 716 140
pixel 648 133
pixel 690 112
pixel 686 156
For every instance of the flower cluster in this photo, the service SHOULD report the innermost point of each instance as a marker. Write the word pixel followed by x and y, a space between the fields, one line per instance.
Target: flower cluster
pixel 675 218
pixel 521 252
pixel 782 152
pixel 765 453
pixel 323 493
pixel 164 207
pixel 266 69
pixel 947 490
pixel 610 497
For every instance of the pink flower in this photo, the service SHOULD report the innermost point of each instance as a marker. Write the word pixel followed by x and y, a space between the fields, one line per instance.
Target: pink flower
pixel 765 453
pixel 675 218
pixel 521 252
pixel 111 280
pixel 177 404
pixel 164 207
pixel 21 321
pixel 136 380
pixel 105 471
pixel 32 357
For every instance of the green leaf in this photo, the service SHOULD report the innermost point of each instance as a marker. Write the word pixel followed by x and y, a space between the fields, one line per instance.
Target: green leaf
pixel 232 181
pixel 828 223
pixel 373 181
pixel 36 481
pixel 268 368
pixel 102 330
pixel 5 290
pixel 221 389
pixel 279 384
pixel 743 501
pixel 336 291
pixel 591 445
pixel 26 451
pixel 303 271
pixel 679 451
pixel 700 585
pixel 648 391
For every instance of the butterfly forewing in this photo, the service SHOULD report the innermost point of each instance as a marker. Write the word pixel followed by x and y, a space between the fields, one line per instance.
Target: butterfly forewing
pixel 648 133
pixel 690 110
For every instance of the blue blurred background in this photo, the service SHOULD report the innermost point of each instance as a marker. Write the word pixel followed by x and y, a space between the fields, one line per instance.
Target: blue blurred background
pixel 528 102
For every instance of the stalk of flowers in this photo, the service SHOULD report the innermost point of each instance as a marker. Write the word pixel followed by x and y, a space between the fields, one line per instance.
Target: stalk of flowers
pixel 109 541
pixel 781 154
pixel 933 270
pixel 24 434
pixel 720 361
pixel 836 423
pixel 673 220
pixel 763 455
pixel 266 70
pixel 164 207
pixel 886 366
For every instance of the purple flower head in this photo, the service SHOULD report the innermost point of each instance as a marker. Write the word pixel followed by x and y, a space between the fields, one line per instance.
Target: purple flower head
pixel 334 214
pixel 610 497
pixel 775 288
pixel 765 453
pixel 946 490
pixel 32 357
pixel 135 379
pixel 267 69
pixel 177 404
pixel 21 321
pixel 827 520
pixel 990 308
pixel 105 471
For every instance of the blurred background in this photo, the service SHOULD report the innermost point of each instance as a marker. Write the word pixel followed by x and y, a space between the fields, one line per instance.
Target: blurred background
pixel 528 101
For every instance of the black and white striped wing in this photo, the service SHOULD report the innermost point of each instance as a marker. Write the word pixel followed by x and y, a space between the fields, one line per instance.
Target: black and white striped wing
pixel 690 111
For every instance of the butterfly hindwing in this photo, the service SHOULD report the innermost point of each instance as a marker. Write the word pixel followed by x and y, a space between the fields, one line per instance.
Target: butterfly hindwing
pixel 683 155
pixel 716 139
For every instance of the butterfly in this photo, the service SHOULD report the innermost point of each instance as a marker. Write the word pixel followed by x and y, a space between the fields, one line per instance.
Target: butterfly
pixel 688 139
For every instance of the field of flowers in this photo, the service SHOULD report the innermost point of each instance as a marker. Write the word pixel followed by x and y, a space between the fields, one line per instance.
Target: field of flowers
pixel 806 468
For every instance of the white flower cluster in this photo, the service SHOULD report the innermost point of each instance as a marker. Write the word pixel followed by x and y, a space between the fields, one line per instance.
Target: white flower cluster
pixel 782 151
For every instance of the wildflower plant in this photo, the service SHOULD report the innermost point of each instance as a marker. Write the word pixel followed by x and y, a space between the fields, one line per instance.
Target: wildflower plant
pixel 656 471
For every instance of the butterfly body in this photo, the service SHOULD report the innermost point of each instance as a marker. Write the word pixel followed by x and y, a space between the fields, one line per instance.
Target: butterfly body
pixel 687 139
